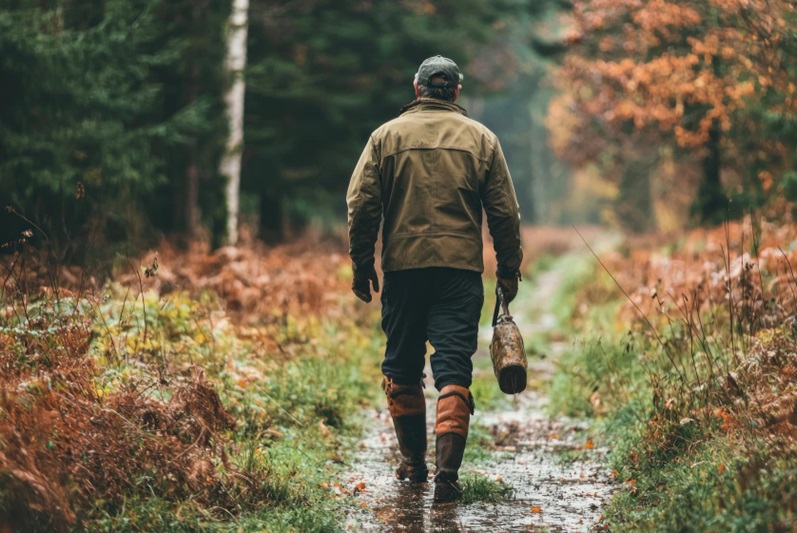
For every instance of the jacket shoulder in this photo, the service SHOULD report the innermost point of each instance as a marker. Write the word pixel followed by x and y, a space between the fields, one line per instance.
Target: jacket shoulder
pixel 409 120
pixel 481 128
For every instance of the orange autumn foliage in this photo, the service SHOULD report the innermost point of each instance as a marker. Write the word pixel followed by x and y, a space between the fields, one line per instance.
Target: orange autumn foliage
pixel 646 71
pixel 713 268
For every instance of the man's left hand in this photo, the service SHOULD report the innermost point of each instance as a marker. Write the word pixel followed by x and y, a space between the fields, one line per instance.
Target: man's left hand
pixel 361 286
pixel 508 287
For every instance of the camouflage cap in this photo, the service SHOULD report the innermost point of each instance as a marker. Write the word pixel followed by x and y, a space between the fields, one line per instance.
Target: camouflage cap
pixel 438 66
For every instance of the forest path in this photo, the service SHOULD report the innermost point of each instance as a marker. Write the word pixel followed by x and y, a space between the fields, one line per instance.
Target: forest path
pixel 559 480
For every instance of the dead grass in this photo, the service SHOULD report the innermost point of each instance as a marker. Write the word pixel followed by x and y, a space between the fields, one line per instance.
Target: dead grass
pixel 698 395
pixel 748 271
pixel 69 444
pixel 254 281
pixel 65 445
pixel 764 388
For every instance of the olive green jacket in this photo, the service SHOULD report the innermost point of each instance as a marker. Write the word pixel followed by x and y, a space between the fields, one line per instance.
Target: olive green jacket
pixel 430 172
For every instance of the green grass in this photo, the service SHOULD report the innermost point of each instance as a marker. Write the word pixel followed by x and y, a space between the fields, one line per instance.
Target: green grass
pixel 543 263
pixel 154 514
pixel 480 488
pixel 296 407
pixel 678 468
pixel 707 482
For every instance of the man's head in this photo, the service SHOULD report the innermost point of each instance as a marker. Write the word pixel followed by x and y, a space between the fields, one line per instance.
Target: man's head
pixel 438 77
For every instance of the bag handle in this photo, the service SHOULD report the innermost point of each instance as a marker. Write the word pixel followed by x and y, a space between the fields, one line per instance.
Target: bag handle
pixel 501 305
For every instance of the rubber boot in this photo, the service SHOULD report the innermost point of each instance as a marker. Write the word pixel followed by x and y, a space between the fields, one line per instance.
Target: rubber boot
pixel 454 407
pixel 408 409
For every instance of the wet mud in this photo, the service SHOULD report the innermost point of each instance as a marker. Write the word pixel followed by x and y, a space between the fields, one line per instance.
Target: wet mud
pixel 557 474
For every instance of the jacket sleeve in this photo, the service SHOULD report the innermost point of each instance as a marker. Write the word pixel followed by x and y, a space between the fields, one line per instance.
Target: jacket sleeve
pixel 364 201
pixel 503 215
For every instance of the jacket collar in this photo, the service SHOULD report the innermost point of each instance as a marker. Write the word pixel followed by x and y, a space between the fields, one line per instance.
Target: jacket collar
pixel 432 104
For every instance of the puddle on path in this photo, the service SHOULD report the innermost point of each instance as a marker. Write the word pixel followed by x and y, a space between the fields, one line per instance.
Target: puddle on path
pixel 567 490
pixel 527 456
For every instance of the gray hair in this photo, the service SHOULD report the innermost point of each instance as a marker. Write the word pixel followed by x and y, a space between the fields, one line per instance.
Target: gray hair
pixel 441 93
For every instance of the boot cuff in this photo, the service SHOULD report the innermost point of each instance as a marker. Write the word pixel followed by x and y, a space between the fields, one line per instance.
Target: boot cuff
pixel 454 407
pixel 404 400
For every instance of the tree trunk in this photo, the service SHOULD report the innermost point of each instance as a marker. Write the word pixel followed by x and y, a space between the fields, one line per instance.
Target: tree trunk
pixel 634 205
pixel 272 218
pixel 235 64
pixel 191 214
pixel 539 176
pixel 711 203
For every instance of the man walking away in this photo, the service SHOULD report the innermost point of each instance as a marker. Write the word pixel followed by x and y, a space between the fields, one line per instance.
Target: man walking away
pixel 429 173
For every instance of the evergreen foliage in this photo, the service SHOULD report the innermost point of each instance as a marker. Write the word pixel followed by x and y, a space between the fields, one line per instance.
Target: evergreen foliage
pixel 124 100
pixel 89 98
pixel 318 85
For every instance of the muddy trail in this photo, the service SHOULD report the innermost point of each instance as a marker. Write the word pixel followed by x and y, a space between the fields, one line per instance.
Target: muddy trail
pixel 557 476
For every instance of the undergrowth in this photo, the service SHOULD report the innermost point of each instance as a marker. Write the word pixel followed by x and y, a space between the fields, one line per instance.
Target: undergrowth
pixel 140 406
pixel 690 370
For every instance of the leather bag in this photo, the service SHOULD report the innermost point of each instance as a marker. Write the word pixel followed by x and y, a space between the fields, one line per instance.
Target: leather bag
pixel 507 350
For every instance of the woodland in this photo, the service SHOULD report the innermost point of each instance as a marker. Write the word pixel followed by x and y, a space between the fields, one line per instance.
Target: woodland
pixel 179 346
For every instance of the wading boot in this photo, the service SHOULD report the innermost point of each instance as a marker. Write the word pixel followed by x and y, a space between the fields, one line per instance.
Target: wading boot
pixel 454 407
pixel 408 409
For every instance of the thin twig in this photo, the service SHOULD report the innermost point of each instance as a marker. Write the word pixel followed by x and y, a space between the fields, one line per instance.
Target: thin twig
pixel 641 313
pixel 143 301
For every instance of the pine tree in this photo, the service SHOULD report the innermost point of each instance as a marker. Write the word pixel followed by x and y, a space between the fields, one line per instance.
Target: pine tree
pixel 323 74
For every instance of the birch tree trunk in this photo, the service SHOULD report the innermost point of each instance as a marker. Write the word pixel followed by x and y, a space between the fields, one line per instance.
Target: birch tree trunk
pixel 235 63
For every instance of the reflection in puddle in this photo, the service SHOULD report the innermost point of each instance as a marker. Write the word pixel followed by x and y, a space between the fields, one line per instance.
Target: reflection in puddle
pixel 559 486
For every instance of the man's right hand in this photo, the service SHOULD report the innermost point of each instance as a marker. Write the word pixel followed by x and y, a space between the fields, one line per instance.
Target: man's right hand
pixel 361 285
pixel 509 287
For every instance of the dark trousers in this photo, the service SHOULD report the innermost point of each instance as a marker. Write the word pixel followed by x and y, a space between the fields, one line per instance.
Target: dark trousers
pixel 439 305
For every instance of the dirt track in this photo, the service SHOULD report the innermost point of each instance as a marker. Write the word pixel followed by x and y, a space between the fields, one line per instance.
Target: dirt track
pixel 554 488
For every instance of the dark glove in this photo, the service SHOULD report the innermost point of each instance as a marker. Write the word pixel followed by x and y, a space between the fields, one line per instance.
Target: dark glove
pixel 361 286
pixel 508 287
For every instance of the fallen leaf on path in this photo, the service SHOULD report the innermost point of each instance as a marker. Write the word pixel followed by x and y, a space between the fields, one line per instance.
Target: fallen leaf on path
pixel 336 487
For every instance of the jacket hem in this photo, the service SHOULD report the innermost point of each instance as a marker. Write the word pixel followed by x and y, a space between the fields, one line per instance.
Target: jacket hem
pixel 433 264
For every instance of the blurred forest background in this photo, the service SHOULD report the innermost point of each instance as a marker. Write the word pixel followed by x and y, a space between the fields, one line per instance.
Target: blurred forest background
pixel 152 379
pixel 642 114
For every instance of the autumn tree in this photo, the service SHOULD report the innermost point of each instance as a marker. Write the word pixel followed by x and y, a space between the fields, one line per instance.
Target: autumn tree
pixel 706 85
